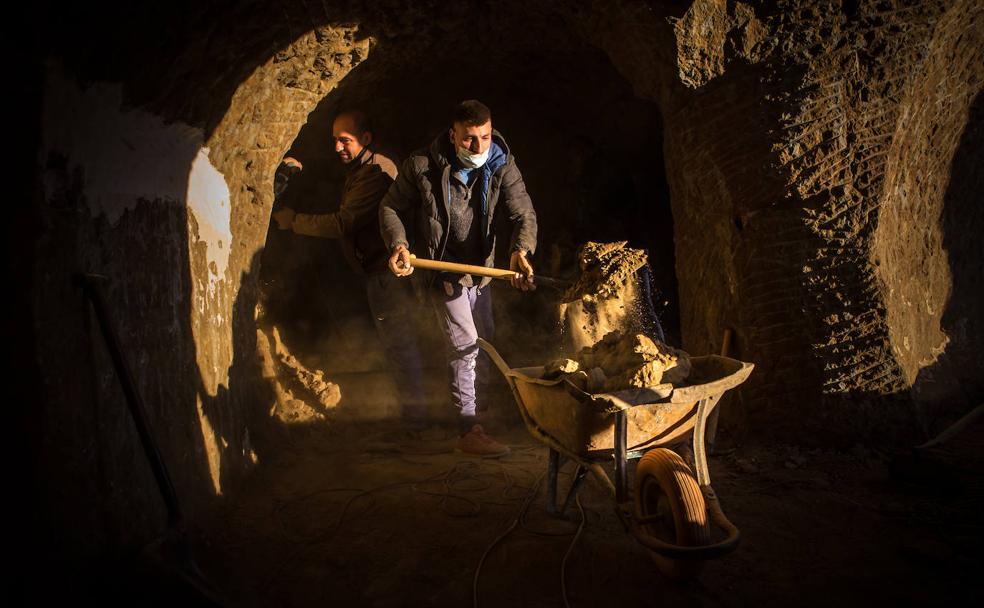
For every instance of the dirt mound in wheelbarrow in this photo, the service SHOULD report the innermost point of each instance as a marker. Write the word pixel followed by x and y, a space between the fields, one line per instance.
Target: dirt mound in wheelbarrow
pixel 608 296
pixel 623 361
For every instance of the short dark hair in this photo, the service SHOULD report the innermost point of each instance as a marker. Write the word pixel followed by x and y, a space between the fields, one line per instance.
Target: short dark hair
pixel 472 113
pixel 360 118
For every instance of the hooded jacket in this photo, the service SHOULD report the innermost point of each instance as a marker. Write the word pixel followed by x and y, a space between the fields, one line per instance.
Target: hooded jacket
pixel 416 211
pixel 356 222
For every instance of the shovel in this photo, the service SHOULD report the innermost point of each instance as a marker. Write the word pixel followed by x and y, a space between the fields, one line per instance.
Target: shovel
pixel 483 271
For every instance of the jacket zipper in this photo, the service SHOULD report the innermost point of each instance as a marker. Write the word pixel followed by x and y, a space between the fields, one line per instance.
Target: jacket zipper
pixel 447 209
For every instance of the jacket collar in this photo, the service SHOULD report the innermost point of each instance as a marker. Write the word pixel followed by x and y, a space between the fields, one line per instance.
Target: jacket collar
pixel 364 158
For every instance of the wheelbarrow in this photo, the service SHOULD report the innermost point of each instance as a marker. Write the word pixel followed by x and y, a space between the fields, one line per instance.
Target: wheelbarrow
pixel 670 511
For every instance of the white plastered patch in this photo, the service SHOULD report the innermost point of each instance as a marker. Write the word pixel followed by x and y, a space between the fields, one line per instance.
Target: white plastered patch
pixel 208 200
pixel 128 157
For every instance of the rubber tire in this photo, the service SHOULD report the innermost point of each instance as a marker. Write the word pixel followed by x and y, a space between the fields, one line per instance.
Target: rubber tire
pixel 662 475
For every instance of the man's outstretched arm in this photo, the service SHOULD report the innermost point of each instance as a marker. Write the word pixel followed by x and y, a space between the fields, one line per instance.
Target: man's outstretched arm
pixel 395 210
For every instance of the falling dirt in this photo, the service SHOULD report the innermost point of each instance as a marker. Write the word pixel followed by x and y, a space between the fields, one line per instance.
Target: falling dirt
pixel 606 296
pixel 605 269
pixel 607 322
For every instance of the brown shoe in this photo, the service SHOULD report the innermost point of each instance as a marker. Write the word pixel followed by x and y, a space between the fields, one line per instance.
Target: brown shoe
pixel 478 443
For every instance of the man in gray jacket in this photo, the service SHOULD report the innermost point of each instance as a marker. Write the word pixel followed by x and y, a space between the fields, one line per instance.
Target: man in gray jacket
pixel 442 205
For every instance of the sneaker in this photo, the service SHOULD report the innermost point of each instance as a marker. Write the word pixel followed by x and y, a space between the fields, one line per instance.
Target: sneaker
pixel 478 443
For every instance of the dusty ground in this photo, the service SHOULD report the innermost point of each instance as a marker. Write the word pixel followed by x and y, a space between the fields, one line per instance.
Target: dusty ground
pixel 358 515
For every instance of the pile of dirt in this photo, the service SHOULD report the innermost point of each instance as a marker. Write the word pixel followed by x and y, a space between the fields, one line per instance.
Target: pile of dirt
pixel 606 296
pixel 620 361
pixel 302 395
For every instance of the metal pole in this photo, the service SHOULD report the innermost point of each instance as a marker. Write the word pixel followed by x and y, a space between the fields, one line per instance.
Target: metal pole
pixel 552 466
pixel 621 472
pixel 579 476
pixel 133 400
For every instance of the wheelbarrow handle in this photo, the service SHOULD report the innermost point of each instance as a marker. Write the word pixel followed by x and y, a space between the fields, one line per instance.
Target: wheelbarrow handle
pixel 704 552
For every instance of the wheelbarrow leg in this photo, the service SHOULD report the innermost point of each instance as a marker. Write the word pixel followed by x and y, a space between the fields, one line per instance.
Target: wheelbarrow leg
pixel 621 457
pixel 700 428
pixel 579 476
pixel 553 465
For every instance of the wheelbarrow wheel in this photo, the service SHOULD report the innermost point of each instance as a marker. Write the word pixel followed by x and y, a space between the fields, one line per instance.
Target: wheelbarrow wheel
pixel 670 504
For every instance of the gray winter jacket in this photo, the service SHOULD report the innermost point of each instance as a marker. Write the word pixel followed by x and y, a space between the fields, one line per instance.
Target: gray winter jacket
pixel 415 211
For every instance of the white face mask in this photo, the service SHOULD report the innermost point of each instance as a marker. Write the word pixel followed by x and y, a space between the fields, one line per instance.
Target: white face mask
pixel 472 161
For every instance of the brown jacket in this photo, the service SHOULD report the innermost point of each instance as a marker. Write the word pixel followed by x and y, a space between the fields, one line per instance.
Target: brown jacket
pixel 356 222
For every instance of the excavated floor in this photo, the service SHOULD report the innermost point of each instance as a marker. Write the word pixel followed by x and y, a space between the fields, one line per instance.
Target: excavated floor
pixel 363 516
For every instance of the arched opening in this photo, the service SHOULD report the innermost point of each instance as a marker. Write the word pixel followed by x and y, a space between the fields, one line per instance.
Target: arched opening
pixel 590 152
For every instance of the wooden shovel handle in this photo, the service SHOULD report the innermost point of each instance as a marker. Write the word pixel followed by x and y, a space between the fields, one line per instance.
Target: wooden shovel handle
pixel 482 271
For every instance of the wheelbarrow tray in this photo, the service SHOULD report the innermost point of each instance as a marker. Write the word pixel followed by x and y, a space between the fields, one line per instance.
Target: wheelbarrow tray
pixel 658 416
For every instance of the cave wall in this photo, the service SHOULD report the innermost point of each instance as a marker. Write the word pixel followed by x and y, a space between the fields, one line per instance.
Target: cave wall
pixel 801 138
pixel 926 246
pixel 785 123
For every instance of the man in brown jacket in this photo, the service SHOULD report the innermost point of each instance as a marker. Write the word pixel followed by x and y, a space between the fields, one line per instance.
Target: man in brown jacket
pixel 356 223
